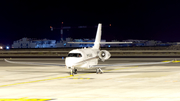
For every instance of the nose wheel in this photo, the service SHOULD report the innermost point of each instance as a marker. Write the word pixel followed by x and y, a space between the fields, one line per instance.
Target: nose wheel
pixel 73 71
pixel 99 71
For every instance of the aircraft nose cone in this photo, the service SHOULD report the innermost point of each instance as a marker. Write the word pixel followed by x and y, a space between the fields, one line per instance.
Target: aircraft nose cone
pixel 70 61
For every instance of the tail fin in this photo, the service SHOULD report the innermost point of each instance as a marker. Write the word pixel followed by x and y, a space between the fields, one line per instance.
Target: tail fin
pixel 98 37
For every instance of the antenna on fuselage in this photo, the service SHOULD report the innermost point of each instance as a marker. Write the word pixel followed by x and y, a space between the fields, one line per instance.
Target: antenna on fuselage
pixel 98 37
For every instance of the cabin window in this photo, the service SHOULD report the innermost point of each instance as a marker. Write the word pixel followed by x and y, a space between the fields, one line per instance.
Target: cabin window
pixel 74 55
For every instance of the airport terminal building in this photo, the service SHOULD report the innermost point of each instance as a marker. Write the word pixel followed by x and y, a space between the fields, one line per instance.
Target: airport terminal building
pixel 45 43
pixel 31 43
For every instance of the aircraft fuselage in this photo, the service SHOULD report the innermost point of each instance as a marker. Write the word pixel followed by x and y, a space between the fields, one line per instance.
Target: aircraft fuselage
pixel 75 58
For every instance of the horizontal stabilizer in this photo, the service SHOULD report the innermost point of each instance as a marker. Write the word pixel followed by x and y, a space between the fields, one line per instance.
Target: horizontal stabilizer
pixel 100 42
pixel 114 42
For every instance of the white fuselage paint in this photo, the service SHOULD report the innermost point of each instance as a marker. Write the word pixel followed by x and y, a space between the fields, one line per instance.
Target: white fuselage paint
pixel 86 53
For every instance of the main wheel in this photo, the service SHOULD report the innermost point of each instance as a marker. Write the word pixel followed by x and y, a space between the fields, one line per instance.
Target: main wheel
pixel 96 71
pixel 75 71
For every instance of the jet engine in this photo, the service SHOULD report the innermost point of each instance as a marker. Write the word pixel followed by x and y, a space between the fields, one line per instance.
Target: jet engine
pixel 104 55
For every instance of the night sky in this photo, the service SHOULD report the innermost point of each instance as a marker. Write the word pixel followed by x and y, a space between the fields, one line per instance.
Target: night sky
pixel 130 19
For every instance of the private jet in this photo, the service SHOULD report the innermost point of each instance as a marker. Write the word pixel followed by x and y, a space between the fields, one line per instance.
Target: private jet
pixel 87 58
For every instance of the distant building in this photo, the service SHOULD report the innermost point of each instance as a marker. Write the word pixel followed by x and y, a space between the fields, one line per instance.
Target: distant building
pixel 65 43
pixel 150 43
pixel 144 42
pixel 45 43
pixel 177 43
pixel 30 43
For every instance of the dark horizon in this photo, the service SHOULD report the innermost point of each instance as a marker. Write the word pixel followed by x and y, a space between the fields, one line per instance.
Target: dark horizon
pixel 143 20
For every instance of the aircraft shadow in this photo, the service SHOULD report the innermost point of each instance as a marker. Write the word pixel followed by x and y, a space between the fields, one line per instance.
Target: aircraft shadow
pixel 87 71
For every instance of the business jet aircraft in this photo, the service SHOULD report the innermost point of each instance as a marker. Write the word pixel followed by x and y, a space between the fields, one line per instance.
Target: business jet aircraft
pixel 87 58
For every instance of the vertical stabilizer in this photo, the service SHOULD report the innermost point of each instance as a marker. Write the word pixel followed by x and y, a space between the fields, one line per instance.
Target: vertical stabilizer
pixel 98 37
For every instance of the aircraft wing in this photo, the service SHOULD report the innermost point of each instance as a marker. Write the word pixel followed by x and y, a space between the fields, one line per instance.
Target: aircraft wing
pixel 103 65
pixel 34 63
pixel 134 64
pixel 129 64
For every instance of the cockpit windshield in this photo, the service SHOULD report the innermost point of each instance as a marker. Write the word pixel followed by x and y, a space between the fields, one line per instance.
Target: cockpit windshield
pixel 74 55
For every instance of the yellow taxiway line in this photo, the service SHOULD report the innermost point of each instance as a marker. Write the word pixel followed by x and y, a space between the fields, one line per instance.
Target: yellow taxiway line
pixel 25 99
pixel 59 78
pixel 42 80
pixel 174 61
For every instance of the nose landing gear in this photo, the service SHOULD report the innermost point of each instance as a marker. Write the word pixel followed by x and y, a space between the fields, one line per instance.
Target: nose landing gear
pixel 73 71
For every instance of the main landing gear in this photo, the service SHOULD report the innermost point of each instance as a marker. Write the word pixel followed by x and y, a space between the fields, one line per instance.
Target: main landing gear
pixel 73 71
pixel 99 71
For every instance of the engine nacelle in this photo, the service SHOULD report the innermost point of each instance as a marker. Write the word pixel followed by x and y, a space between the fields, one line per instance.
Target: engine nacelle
pixel 104 55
